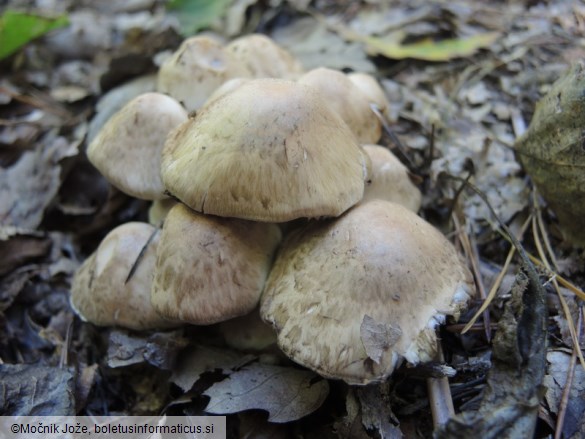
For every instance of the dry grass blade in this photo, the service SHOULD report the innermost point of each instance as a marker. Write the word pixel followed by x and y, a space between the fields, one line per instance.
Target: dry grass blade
pixel 560 279
pixel 537 241
pixel 494 289
pixel 473 257
pixel 392 136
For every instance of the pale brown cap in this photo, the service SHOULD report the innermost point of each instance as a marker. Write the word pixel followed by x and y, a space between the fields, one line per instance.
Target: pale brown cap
pixel 263 58
pixel 100 293
pixel 196 69
pixel 352 296
pixel 210 269
pixel 271 150
pixel 347 100
pixel 371 89
pixel 127 150
pixel 225 88
pixel 389 179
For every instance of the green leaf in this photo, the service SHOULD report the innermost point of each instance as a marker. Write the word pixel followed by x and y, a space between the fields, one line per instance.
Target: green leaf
pixel 428 49
pixel 194 15
pixel 19 28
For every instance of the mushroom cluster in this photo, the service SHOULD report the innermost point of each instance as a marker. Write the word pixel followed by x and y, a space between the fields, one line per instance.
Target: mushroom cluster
pixel 350 294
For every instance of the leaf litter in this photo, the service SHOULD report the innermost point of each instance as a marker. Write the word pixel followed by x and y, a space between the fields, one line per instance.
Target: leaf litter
pixel 466 107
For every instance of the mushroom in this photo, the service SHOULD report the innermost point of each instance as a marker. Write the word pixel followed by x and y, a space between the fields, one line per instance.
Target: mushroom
pixel 347 100
pixel 271 150
pixel 371 89
pixel 389 179
pixel 196 69
pixel 263 58
pixel 210 269
pixel 127 150
pixel 106 292
pixel 225 88
pixel 350 297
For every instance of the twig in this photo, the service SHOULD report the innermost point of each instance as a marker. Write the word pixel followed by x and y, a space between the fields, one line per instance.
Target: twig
pixel 390 133
pixel 440 395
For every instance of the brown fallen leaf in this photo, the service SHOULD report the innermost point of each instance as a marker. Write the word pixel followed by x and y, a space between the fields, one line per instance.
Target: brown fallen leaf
pixel 196 360
pixel 159 349
pixel 19 250
pixel 314 45
pixel 29 185
pixel 378 337
pixel 287 394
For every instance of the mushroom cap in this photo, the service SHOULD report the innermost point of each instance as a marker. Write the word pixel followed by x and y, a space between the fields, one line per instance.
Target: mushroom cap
pixel 196 69
pixel 347 100
pixel 210 269
pixel 100 293
pixel 263 58
pixel 350 297
pixel 371 89
pixel 271 150
pixel 225 88
pixel 389 180
pixel 127 150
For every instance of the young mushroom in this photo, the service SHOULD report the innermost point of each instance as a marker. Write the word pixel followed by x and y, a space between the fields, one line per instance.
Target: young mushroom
pixel 344 97
pixel 271 150
pixel 210 269
pixel 389 180
pixel 263 58
pixel 127 150
pixel 112 287
pixel 196 69
pixel 371 89
pixel 350 297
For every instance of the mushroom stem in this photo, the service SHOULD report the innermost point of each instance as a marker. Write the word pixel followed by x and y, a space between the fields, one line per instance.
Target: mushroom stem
pixel 440 395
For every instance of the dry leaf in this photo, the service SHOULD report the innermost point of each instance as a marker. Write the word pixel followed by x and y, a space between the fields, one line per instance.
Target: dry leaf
pixel 376 412
pixel 28 186
pixel 199 359
pixel 552 152
pixel 378 337
pixel 286 394
pixel 20 250
pixel 555 381
pixel 427 49
pixel 159 349
pixel 35 390
pixel 314 45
